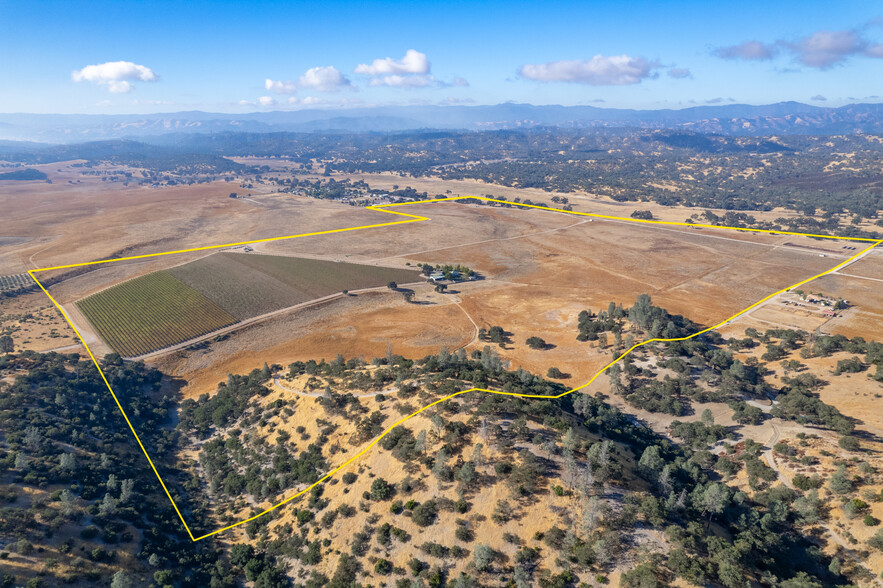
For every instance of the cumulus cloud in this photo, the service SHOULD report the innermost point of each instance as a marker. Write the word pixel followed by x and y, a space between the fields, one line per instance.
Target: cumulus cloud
pixel 679 73
pixel 413 62
pixel 267 101
pixel 819 98
pixel 280 87
pixel 117 76
pixel 323 79
pixel 747 50
pixel 411 71
pixel 616 70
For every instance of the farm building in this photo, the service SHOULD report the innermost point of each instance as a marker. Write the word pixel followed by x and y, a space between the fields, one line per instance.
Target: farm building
pixel 436 276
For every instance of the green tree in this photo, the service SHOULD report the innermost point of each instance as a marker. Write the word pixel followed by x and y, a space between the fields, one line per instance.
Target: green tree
pixel 714 500
pixel 707 417
pixel 839 482
pixel 483 557
pixel 497 334
pixel 121 580
pixel 651 463
pixel 380 489
pixel 849 443
pixel 535 343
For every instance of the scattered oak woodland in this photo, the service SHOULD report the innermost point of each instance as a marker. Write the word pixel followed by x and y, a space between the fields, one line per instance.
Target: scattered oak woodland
pixel 582 492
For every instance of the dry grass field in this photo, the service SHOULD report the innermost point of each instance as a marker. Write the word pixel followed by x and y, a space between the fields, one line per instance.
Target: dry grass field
pixel 35 324
pixel 46 225
pixel 540 270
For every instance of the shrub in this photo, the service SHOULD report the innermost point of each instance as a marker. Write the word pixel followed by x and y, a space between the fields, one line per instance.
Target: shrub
pixel 349 477
pixel 380 489
pixel 464 534
pixel 849 443
pixel 503 468
pixel 536 343
pixel 877 540
pixel 383 566
pixel 839 483
pixel 483 557
pixel 425 513
pixel 555 373
pixel 803 482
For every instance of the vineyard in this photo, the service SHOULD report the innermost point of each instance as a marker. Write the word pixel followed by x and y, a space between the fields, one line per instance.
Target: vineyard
pixel 15 281
pixel 250 285
pixel 168 307
pixel 151 312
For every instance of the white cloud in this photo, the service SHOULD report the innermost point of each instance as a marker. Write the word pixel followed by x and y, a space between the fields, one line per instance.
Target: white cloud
pixel 616 70
pixel 266 101
pixel 117 76
pixel 308 101
pixel 747 50
pixel 413 62
pixel 460 82
pixel 412 71
pixel 679 73
pixel 279 87
pixel 322 79
pixel 397 81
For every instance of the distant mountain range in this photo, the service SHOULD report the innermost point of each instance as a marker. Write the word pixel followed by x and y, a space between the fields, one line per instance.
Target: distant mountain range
pixel 735 119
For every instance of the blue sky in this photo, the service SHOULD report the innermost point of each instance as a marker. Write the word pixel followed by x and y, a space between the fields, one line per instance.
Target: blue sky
pixel 122 57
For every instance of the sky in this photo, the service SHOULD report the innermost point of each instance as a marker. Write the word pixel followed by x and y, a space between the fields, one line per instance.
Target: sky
pixel 148 57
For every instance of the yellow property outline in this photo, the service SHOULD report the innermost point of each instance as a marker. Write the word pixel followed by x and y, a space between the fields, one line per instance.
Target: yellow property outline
pixel 412 218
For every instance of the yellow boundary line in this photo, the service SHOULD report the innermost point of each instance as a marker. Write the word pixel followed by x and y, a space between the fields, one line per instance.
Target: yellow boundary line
pixel 412 218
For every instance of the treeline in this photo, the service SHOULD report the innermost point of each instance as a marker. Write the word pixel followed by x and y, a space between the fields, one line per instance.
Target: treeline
pixel 23 175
